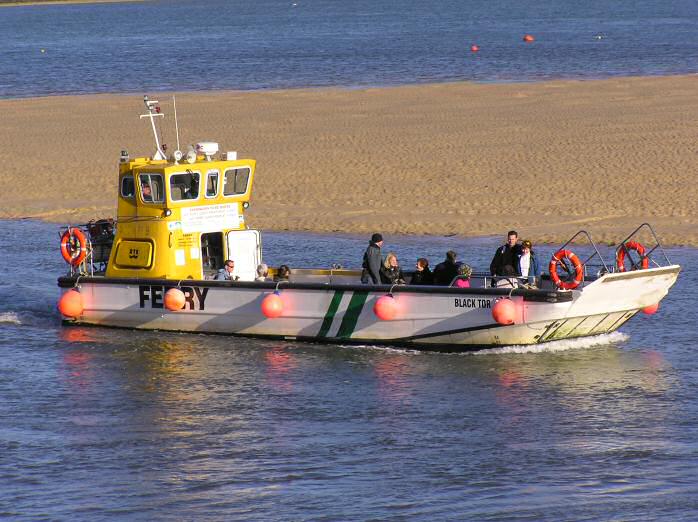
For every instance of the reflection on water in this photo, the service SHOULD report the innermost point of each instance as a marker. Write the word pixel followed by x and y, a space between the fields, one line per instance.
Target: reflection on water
pixel 107 423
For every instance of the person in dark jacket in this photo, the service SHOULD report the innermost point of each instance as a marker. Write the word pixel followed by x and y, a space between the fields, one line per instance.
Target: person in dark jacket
pixel 447 270
pixel 372 261
pixel 283 273
pixel 390 272
pixel 422 274
pixel 506 260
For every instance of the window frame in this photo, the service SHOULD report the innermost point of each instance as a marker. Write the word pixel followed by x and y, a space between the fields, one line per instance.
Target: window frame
pixel 150 175
pixel 133 185
pixel 218 184
pixel 247 187
pixel 191 173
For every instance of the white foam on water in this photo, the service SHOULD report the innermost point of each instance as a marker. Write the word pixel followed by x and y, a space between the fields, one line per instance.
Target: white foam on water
pixel 9 318
pixel 558 346
pixel 383 348
pixel 563 345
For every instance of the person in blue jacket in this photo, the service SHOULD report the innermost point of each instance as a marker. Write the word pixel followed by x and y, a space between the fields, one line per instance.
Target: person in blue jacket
pixel 528 264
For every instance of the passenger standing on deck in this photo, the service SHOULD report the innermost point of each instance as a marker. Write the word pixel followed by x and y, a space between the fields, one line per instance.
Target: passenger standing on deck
pixel 422 274
pixel 447 270
pixel 226 273
pixel 506 260
pixel 372 261
pixel 390 272
pixel 528 264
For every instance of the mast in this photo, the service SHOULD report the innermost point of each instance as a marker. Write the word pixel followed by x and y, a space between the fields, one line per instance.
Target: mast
pixel 154 112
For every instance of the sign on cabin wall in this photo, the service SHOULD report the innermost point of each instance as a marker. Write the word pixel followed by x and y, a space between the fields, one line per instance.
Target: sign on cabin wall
pixel 210 218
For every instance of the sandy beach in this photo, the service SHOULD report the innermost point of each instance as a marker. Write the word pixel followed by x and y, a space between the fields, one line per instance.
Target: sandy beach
pixel 459 158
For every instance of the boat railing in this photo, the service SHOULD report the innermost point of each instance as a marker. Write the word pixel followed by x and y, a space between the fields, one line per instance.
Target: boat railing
pixel 637 253
pixel 99 236
pixel 593 266
pixel 337 274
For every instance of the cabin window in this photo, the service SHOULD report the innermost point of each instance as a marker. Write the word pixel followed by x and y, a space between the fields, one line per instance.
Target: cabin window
pixel 184 186
pixel 212 184
pixel 128 187
pixel 152 188
pixel 235 181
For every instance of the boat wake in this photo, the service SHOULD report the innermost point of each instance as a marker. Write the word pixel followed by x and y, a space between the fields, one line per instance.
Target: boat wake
pixel 29 317
pixel 550 347
pixel 9 318
pixel 558 346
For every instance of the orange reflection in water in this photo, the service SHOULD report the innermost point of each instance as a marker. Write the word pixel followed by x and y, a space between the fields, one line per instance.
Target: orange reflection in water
pixel 509 378
pixel 280 361
pixel 77 334
pixel 392 371
pixel 79 373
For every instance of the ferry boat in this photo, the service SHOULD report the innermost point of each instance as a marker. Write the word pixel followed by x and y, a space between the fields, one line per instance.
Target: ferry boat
pixel 180 217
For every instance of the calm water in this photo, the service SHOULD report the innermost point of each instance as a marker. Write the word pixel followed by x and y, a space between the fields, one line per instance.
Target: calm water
pixel 102 424
pixel 99 424
pixel 262 44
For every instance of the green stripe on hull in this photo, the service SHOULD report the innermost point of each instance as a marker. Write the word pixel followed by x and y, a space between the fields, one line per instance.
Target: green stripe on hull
pixel 331 311
pixel 351 316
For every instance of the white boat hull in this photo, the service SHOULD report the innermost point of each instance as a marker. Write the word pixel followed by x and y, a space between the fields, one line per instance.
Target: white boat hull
pixel 428 317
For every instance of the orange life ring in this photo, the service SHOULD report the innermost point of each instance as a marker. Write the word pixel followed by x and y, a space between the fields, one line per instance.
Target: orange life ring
pixel 623 250
pixel 73 246
pixel 578 269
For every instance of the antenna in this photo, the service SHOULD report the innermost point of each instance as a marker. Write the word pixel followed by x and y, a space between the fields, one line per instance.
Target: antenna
pixel 174 103
pixel 154 112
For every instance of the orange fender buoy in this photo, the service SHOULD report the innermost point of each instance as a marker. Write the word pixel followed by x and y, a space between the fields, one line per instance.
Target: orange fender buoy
pixel 576 264
pixel 504 311
pixel 73 246
pixel 528 38
pixel 174 299
pixel 474 48
pixel 385 308
pixel 623 251
pixel 70 304
pixel 272 306
pixel 651 309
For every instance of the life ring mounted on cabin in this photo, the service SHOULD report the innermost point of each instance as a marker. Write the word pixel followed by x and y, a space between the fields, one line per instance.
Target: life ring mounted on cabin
pixel 623 251
pixel 73 246
pixel 556 260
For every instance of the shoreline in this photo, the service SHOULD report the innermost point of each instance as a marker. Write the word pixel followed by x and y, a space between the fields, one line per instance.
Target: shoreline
pixel 157 93
pixel 471 159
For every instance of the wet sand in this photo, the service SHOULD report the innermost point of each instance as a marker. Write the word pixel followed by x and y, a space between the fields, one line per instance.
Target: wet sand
pixel 459 158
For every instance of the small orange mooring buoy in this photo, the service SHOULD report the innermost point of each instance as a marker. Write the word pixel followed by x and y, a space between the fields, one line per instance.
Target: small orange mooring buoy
pixel 474 48
pixel 528 38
